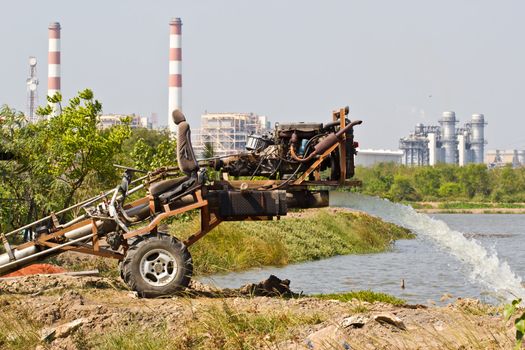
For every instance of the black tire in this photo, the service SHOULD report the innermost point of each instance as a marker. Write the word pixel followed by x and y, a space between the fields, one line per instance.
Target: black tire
pixel 157 265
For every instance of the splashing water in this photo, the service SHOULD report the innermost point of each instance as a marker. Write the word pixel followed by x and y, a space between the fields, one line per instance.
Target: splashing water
pixel 485 268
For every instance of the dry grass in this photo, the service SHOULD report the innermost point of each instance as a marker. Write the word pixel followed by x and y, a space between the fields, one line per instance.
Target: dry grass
pixel 18 329
pixel 214 327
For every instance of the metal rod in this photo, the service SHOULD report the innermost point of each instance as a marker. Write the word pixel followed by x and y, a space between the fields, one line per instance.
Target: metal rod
pixel 87 201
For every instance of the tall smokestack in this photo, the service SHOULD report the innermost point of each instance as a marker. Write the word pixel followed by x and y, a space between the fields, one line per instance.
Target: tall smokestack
pixel 448 136
pixel 53 68
pixel 478 137
pixel 175 71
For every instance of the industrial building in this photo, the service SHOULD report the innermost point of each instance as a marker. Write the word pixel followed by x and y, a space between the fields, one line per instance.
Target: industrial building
pixel 499 158
pixel 445 143
pixel 227 133
pixel 370 157
pixel 109 120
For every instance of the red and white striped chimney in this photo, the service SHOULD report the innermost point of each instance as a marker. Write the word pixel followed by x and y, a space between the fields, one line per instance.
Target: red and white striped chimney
pixel 53 68
pixel 175 71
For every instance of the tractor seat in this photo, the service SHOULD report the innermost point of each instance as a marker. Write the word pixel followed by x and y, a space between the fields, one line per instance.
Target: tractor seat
pixel 167 190
pixel 158 188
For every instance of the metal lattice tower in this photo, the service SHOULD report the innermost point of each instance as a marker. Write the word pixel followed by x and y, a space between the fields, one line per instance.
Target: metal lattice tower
pixel 32 93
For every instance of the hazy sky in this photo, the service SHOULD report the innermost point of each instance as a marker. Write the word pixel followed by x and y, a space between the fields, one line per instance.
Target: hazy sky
pixel 395 63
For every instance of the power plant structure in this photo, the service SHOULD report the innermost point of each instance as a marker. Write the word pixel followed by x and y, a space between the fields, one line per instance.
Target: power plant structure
pixel 371 157
pixel 432 144
pixel 500 158
pixel 175 72
pixel 32 93
pixel 227 133
pixel 53 64
pixel 134 121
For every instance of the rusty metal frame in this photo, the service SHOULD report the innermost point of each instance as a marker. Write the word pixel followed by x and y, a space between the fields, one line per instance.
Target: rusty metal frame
pixel 342 146
pixel 314 167
pixel 208 217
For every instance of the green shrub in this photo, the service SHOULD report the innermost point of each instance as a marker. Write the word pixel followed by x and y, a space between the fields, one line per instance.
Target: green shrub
pixel 402 189
pixel 450 189
pixel 362 295
pixel 320 234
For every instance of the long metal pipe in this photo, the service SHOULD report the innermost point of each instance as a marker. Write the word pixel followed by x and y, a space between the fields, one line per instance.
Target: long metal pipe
pixel 6 267
pixel 21 253
pixel 82 232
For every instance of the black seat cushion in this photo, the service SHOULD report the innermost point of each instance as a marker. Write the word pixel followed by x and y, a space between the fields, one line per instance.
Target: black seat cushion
pixel 185 155
pixel 160 187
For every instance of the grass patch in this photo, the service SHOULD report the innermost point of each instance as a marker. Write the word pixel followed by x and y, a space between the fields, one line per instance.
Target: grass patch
pixel 18 330
pixel 479 205
pixel 321 234
pixel 510 205
pixel 133 338
pixel 417 205
pixel 230 329
pixel 362 295
pixel 464 205
pixel 213 327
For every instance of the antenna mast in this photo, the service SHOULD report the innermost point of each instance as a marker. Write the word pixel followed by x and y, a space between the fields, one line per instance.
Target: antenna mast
pixel 32 95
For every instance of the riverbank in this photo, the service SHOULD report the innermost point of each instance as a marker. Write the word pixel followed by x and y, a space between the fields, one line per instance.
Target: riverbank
pixel 468 207
pixel 305 235
pixel 58 312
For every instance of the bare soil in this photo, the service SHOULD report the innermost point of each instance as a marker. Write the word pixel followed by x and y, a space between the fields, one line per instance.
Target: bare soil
pixel 100 306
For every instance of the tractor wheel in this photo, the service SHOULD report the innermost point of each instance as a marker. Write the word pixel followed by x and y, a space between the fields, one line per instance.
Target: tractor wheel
pixel 157 265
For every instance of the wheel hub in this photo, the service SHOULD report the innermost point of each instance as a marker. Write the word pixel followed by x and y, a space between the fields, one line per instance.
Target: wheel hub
pixel 158 267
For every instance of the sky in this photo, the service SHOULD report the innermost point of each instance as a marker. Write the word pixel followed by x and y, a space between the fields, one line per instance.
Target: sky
pixel 395 63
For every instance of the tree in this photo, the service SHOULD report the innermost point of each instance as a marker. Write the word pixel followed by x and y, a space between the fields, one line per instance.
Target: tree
pixel 209 150
pixel 151 149
pixel 427 181
pixel 475 179
pixel 20 184
pixel 75 145
pixel 507 183
pixel 378 180
pixel 55 160
pixel 402 189
pixel 448 172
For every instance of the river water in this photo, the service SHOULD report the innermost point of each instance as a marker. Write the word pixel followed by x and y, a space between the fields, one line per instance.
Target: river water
pixel 464 255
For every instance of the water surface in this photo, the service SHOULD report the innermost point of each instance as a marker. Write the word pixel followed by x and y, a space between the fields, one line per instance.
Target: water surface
pixel 429 270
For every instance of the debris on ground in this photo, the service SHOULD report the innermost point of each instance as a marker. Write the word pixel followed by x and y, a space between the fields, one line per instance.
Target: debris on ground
pixel 36 269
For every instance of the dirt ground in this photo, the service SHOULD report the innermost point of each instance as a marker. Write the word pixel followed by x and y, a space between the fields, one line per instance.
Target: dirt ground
pixel 66 312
